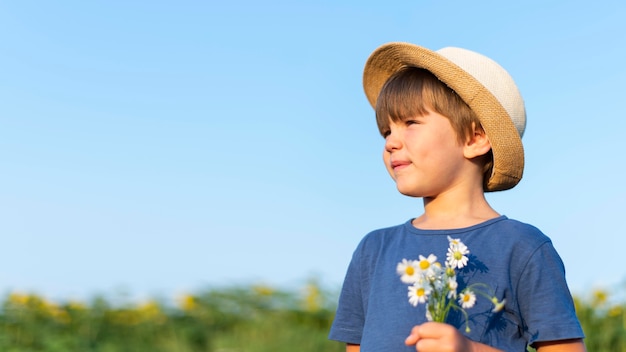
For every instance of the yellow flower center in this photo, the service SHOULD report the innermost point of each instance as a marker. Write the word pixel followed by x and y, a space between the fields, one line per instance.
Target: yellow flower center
pixel 409 270
pixel 420 292
pixel 424 264
pixel 458 255
pixel 466 298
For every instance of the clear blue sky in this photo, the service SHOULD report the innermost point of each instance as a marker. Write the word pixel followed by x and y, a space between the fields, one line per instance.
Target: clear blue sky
pixel 167 146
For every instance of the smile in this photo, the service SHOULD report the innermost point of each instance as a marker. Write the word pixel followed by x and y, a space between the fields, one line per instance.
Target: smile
pixel 397 165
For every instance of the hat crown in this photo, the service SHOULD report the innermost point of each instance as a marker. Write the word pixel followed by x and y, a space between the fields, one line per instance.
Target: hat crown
pixel 494 78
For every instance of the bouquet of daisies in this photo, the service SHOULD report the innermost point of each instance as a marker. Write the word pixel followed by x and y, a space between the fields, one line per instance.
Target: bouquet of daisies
pixel 436 285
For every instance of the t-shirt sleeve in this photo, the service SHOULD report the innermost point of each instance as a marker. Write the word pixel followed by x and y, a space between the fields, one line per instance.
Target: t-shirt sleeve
pixel 545 302
pixel 350 316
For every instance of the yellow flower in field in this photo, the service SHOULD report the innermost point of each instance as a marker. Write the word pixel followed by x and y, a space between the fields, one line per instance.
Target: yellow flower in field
pixel 263 290
pixel 18 299
pixel 615 311
pixel 39 305
pixel 57 313
pixel 75 305
pixel 124 316
pixel 150 311
pixel 312 297
pixel 599 298
pixel 187 303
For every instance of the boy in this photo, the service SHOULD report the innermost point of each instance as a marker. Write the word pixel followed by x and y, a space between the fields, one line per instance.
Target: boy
pixel 452 122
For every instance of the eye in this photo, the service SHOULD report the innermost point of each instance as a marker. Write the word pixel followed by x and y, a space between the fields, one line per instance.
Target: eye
pixel 411 122
pixel 385 133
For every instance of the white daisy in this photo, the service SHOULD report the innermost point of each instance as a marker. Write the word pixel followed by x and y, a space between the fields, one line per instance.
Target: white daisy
pixel 467 299
pixel 418 293
pixel 429 316
pixel 409 271
pixel 497 306
pixel 435 275
pixel 452 286
pixel 454 241
pixel 426 263
pixel 457 254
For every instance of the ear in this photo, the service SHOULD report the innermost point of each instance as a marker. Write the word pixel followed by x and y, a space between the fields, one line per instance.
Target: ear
pixel 478 144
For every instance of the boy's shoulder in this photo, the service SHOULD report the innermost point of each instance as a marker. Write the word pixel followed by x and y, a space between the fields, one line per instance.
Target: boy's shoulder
pixel 523 231
pixel 389 230
pixel 380 236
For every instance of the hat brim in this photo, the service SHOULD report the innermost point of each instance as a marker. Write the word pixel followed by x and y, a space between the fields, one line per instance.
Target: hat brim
pixel 506 143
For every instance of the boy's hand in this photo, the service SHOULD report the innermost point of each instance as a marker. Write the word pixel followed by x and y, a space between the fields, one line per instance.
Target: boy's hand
pixel 439 337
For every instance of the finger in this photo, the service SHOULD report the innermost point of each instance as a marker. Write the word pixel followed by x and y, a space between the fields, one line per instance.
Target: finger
pixel 413 336
pixel 427 345
pixel 433 330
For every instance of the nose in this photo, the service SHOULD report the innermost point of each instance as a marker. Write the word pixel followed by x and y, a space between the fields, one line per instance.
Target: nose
pixel 392 142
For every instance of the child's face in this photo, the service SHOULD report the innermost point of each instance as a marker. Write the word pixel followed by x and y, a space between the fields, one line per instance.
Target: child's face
pixel 423 155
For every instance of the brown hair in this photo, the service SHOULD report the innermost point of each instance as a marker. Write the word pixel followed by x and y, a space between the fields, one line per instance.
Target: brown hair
pixel 411 91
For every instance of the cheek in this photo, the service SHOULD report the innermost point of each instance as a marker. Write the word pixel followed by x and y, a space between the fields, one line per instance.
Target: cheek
pixel 386 160
pixel 386 157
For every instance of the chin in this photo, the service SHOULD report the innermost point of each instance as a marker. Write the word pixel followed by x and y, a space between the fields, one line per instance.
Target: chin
pixel 410 193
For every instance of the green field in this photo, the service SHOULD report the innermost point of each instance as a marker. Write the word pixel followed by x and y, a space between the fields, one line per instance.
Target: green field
pixel 227 319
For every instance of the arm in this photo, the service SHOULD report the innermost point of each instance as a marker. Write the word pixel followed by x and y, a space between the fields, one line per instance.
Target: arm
pixel 353 348
pixel 574 345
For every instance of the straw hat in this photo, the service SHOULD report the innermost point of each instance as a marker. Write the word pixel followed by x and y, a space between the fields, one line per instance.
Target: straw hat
pixel 483 84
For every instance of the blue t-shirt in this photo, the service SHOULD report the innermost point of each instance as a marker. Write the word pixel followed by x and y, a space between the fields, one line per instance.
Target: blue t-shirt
pixel 516 261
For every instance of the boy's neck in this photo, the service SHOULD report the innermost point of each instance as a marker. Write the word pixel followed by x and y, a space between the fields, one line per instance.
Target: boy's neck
pixel 453 213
